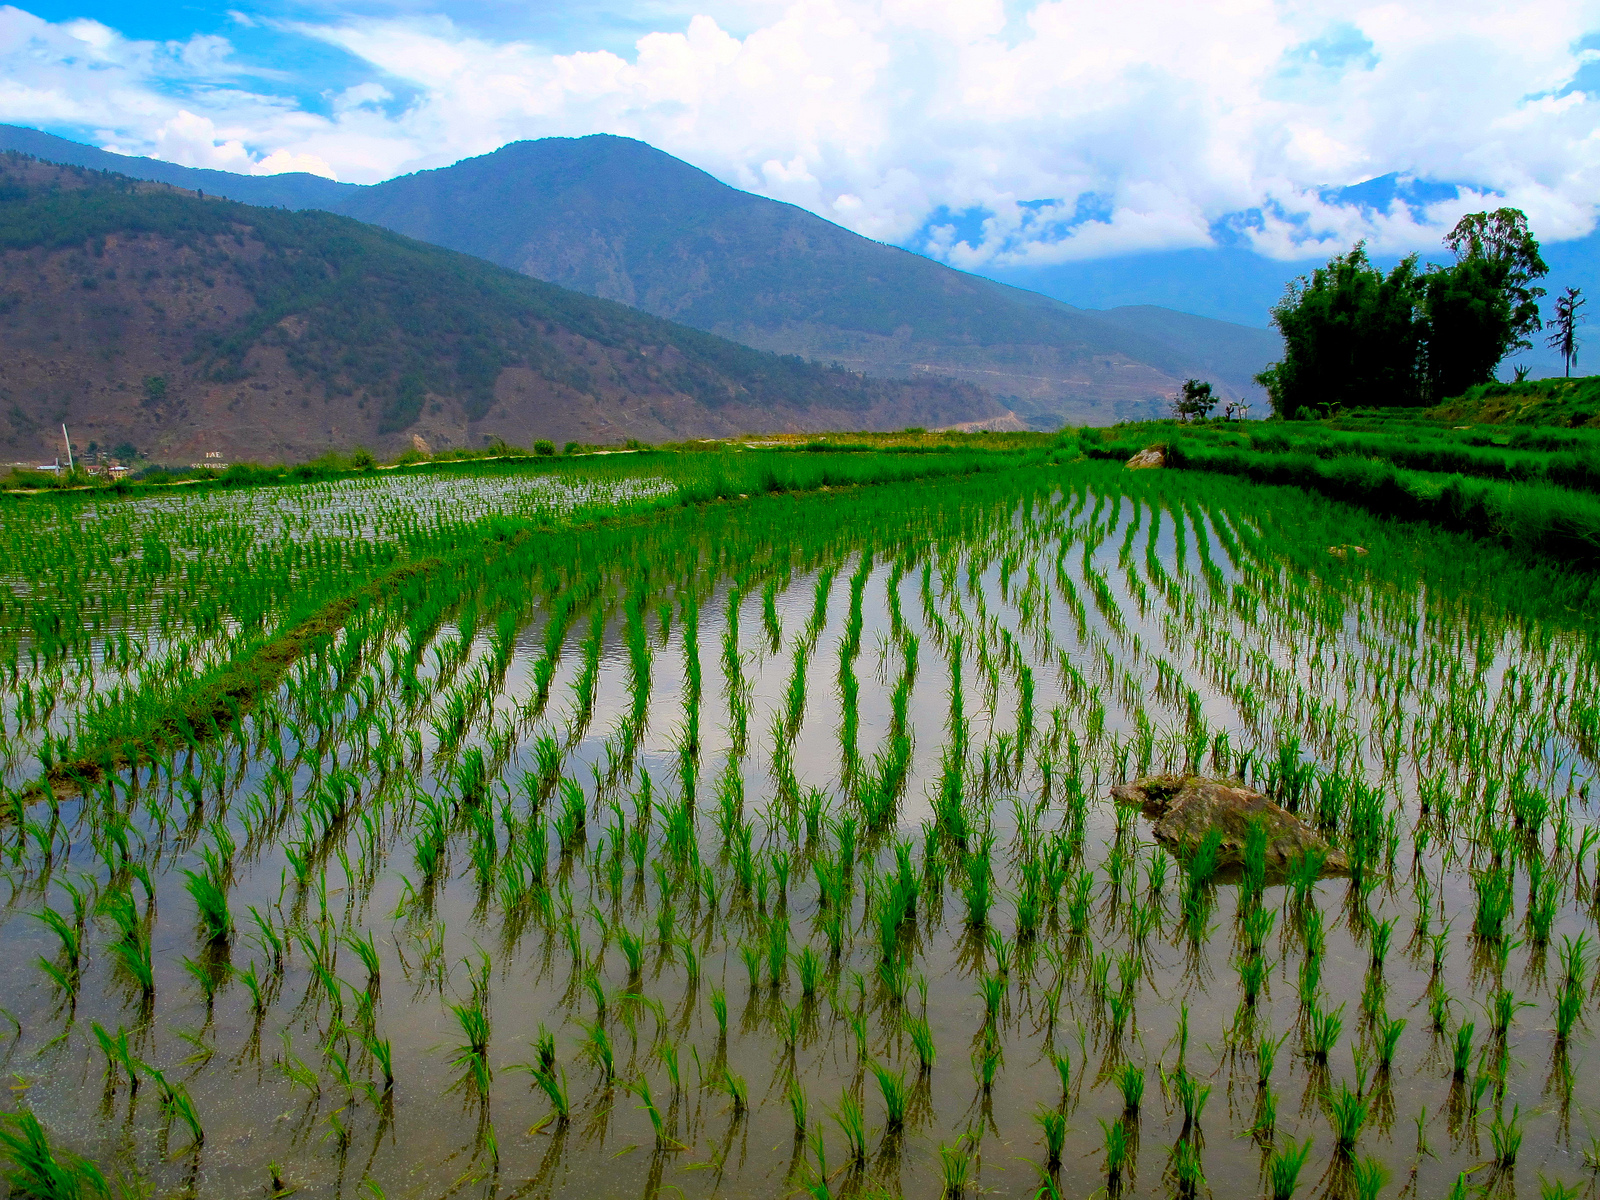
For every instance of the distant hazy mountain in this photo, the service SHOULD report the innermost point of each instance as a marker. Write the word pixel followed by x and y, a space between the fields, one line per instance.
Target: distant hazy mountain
pixel 138 313
pixel 618 219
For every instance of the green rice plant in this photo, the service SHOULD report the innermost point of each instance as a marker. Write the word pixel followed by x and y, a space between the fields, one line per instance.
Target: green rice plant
pixel 799 1108
pixel 632 946
pixel 1347 1114
pixel 1053 1124
pixel 596 1047
pixel 1322 1032
pixel 852 1124
pixel 1284 1166
pixel 1569 1008
pixel 211 903
pixel 1388 1031
pixel 1367 1178
pixel 1116 1150
pixel 1130 1081
pixel 977 890
pixel 1186 1169
pixel 719 1009
pixel 1203 861
pixel 132 953
pixel 987 1060
pixel 1380 932
pixel 777 952
pixel 922 1042
pixel 383 1055
pixel 955 1168
pixel 179 1105
pixel 1252 975
pixel 367 950
pixel 1506 1137
pixel 1462 1050
pixel 1494 904
pixel 37 1169
pixel 1265 1123
pixel 69 934
pixel 808 964
pixel 553 1083
pixel 992 991
pixel 893 1086
pixel 1554 1189
pixel 471 1056
pixel 1064 1074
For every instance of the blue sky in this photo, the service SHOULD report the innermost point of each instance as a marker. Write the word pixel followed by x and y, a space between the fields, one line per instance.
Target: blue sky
pixel 1148 150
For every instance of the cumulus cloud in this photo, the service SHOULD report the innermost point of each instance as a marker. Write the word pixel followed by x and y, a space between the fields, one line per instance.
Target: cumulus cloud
pixel 1063 131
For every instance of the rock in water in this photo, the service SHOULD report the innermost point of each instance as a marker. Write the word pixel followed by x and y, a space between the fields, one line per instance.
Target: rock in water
pixel 1182 808
pixel 1150 456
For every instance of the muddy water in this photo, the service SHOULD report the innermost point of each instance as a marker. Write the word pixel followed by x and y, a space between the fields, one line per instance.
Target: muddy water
pixel 436 1135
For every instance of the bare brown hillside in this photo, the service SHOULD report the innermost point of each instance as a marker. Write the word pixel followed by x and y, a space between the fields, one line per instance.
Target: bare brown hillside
pixel 139 313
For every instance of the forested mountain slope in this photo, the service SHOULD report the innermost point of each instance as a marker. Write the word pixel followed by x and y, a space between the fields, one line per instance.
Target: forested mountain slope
pixel 137 312
pixel 616 218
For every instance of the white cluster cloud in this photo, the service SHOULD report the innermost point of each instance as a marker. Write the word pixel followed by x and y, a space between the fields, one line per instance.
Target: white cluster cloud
pixel 1075 129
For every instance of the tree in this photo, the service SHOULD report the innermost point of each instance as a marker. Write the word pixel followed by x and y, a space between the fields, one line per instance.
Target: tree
pixel 1193 401
pixel 1484 306
pixel 1351 334
pixel 1564 326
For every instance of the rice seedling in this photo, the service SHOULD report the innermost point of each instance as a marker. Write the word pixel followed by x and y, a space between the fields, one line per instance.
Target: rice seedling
pixel 955 1166
pixel 1130 1081
pixel 851 1121
pixel 1506 1136
pixel 39 1169
pixel 1288 1159
pixel 892 1084
pixel 1053 1125
pixel 1347 1116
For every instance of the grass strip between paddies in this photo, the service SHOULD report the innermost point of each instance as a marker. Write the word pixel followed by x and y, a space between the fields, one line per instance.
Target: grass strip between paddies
pixel 1552 523
pixel 225 694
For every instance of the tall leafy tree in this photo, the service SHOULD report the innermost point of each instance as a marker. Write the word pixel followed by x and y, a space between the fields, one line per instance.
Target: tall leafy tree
pixel 1484 306
pixel 1351 335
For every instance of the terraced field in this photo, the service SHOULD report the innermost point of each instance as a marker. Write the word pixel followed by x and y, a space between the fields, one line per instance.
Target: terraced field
pixel 740 825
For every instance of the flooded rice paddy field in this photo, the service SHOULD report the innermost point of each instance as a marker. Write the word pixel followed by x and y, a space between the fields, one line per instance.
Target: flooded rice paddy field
pixel 765 847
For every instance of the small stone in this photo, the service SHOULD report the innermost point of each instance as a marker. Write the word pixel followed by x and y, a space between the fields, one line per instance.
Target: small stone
pixel 1184 808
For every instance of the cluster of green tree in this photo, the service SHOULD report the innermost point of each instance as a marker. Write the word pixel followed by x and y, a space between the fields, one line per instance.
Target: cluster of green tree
pixel 1354 335
pixel 396 318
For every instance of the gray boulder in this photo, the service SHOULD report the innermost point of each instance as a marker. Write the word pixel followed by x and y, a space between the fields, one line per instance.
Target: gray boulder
pixel 1183 808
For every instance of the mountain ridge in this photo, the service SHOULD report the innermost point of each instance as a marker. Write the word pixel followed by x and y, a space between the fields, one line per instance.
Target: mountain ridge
pixel 617 218
pixel 138 312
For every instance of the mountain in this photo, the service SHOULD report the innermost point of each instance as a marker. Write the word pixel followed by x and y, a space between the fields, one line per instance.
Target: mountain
pixel 140 313
pixel 621 220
